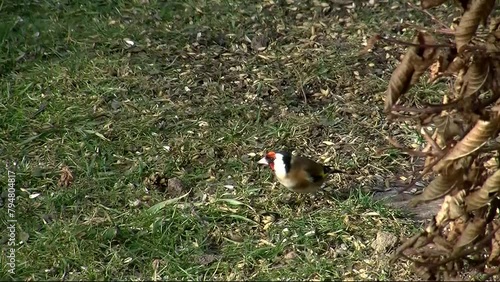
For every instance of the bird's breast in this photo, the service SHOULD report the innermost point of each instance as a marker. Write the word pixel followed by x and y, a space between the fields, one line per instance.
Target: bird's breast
pixel 285 181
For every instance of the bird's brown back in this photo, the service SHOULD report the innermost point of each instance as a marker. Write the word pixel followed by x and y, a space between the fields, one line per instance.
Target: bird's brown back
pixel 300 168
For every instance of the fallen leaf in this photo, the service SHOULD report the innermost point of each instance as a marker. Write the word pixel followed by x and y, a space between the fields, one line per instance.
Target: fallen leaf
pixel 290 255
pixel 384 241
pixel 66 177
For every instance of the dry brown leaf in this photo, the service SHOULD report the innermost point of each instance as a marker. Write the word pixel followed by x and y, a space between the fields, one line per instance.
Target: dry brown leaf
pixel 429 147
pixel 434 70
pixel 456 228
pixel 494 24
pixel 426 55
pixel 448 126
pixel 459 82
pixel 478 11
pixel 259 42
pixel 492 164
pixel 430 250
pixel 422 272
pixel 66 177
pixel 481 132
pixel 451 275
pixel 485 194
pixel 472 67
pixel 452 208
pixel 446 57
pixel 370 44
pixel 455 66
pixel 439 187
pixel 444 60
pixel 427 4
pixel 443 244
pixel 474 230
pixel 290 255
pixel 413 65
pixel 473 173
pixel 475 77
pixel 399 82
pixel 493 42
pixel 409 243
pixel 495 245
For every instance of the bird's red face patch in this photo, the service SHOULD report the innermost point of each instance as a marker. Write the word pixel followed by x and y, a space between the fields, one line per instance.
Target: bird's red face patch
pixel 270 157
pixel 268 160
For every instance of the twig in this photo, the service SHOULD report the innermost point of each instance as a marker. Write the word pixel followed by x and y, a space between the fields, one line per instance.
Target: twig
pixel 301 85
pixel 405 43
pixel 431 165
pixel 392 116
pixel 415 261
pixel 445 106
pixel 429 109
pixel 409 243
pixel 446 31
pixel 469 250
pixel 407 150
pixel 473 48
pixel 429 14
pixel 303 94
pixel 400 108
pixel 424 172
pixel 433 143
pixel 373 40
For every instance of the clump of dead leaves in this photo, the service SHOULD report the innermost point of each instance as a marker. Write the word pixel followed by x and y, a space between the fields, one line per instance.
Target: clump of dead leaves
pixel 66 177
pixel 462 150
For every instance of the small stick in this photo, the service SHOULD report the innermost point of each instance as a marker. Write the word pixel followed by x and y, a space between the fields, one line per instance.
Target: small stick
pixel 371 43
pixel 433 143
pixel 428 14
pixel 469 250
pixel 426 170
pixel 403 117
pixel 416 44
pixel 446 31
pixel 407 150
pixel 430 109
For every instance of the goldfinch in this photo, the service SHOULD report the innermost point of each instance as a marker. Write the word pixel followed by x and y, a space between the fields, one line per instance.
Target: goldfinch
pixel 297 174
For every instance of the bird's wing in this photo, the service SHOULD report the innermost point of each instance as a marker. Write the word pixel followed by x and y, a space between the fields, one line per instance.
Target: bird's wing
pixel 313 170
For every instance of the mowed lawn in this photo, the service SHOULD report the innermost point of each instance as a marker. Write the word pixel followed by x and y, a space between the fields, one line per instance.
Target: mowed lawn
pixel 158 112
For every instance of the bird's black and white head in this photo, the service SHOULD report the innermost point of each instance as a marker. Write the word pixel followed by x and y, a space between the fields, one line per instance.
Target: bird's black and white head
pixel 279 162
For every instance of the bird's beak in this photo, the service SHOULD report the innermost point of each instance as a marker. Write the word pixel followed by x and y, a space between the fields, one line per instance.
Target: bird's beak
pixel 263 161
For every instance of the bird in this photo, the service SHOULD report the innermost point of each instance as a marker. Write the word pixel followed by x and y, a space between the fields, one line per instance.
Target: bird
pixel 298 174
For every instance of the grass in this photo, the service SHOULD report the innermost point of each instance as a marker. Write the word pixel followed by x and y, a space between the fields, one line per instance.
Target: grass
pixel 119 91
